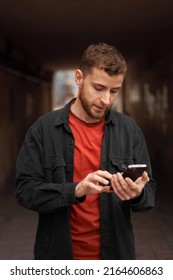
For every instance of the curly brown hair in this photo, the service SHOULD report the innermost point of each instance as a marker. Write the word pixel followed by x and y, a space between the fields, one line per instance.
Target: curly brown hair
pixel 103 56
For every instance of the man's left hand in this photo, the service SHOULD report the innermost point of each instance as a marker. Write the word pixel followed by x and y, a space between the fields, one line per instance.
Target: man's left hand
pixel 127 189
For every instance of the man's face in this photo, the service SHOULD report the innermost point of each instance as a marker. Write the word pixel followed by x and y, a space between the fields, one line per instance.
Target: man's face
pixel 97 93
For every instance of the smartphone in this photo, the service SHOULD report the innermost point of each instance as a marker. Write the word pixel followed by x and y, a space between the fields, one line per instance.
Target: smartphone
pixel 134 171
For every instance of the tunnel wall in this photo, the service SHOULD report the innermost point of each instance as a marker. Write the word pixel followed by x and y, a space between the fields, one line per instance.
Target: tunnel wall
pixel 22 100
pixel 148 98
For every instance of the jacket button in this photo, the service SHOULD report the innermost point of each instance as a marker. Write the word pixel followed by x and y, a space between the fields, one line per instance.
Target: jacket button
pixel 71 142
pixel 69 171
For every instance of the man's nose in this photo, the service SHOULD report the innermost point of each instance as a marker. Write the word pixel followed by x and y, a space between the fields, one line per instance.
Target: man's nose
pixel 105 98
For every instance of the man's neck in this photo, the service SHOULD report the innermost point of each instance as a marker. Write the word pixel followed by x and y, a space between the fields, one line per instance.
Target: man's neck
pixel 78 111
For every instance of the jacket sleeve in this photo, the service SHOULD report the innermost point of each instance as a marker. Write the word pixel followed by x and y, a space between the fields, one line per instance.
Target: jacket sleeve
pixel 33 191
pixel 146 200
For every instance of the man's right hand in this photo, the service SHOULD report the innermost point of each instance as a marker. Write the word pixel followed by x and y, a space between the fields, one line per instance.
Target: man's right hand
pixel 92 183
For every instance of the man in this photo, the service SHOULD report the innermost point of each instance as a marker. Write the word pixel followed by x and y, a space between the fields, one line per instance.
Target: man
pixel 70 159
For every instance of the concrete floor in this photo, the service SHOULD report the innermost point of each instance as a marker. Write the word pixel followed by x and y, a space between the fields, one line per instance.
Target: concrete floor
pixel 153 229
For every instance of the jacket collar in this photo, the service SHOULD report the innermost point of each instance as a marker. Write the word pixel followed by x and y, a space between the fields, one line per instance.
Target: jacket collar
pixel 63 116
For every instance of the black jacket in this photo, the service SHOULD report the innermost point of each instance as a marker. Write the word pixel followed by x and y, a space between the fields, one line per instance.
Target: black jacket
pixel 44 183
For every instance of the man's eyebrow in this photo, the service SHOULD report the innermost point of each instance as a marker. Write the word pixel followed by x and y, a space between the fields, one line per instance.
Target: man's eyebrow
pixel 101 85
pixel 98 84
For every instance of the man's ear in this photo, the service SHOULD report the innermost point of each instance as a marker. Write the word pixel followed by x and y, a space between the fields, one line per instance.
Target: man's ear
pixel 79 77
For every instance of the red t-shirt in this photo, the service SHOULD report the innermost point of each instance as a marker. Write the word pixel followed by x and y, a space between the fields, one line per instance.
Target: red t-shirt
pixel 85 217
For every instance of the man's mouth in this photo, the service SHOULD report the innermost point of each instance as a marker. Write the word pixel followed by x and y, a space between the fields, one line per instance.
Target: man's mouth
pixel 100 108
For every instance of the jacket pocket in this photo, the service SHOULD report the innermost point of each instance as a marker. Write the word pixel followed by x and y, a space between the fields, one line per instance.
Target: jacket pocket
pixel 119 165
pixel 54 169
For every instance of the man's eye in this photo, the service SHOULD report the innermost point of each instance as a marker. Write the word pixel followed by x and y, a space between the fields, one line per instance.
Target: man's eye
pixel 98 88
pixel 114 91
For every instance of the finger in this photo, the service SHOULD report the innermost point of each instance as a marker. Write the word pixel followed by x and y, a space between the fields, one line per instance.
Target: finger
pixel 104 174
pixel 120 187
pixel 136 187
pixel 97 178
pixel 145 177
pixel 100 180
pixel 95 187
pixel 128 186
pixel 107 189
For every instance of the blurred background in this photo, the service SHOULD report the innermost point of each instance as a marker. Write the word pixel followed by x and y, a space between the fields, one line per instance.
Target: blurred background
pixel 41 42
